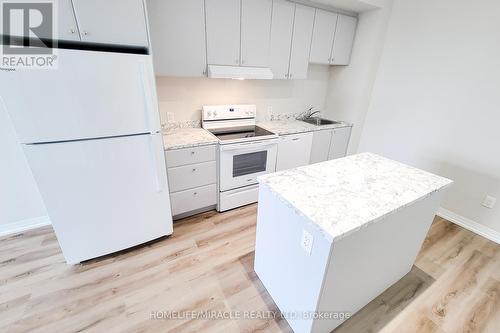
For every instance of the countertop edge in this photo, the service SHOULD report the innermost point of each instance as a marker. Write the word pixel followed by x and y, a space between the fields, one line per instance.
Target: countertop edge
pixel 325 233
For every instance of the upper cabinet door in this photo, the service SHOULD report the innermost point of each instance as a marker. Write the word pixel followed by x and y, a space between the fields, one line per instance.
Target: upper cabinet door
pixel 344 38
pixel 281 37
pixel 301 42
pixel 112 21
pixel 322 40
pixel 67 30
pixel 223 32
pixel 178 37
pixel 255 32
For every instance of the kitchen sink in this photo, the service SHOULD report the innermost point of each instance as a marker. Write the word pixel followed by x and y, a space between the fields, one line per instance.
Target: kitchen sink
pixel 320 121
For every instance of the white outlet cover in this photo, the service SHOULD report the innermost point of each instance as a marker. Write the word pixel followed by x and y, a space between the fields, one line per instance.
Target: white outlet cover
pixel 307 241
pixel 489 201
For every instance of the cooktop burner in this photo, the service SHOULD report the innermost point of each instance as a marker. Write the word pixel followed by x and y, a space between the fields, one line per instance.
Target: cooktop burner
pixel 239 132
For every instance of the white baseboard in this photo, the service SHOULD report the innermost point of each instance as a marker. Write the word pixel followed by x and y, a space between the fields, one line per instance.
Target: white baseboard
pixel 23 225
pixel 468 224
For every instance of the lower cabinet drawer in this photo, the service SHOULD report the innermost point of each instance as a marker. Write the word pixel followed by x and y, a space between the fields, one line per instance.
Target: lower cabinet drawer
pixel 190 176
pixel 195 198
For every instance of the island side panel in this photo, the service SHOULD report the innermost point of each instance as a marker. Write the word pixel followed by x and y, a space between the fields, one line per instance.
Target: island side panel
pixel 292 277
pixel 369 261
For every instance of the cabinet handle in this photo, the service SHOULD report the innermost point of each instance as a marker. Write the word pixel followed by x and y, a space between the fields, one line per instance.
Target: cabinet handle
pixel 192 153
pixel 85 33
pixel 195 193
pixel 286 76
pixel 290 75
pixel 194 169
pixel 295 139
pixel 71 31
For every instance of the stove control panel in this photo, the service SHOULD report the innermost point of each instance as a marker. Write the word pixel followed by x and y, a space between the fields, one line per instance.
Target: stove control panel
pixel 228 112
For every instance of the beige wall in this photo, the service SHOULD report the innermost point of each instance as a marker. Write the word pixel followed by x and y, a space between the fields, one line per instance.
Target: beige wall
pixel 436 100
pixel 350 87
pixel 186 96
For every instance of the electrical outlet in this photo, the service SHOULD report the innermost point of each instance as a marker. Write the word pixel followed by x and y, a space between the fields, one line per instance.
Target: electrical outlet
pixel 307 242
pixel 489 201
pixel 170 117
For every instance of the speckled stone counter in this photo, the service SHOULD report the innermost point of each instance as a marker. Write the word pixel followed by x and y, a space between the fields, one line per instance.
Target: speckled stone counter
pixel 332 236
pixel 343 195
pixel 283 127
pixel 187 137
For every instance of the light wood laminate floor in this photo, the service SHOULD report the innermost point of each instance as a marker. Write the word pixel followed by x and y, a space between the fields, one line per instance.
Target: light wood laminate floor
pixel 206 265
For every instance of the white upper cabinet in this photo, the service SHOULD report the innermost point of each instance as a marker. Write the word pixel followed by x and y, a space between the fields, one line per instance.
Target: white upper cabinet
pixel 177 31
pixel 238 32
pixel 301 42
pixel 121 22
pixel 68 29
pixel 344 38
pixel 223 32
pixel 255 32
pixel 332 39
pixel 281 37
pixel 323 34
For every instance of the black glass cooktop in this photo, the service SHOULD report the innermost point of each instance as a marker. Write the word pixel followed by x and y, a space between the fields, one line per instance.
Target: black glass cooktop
pixel 239 132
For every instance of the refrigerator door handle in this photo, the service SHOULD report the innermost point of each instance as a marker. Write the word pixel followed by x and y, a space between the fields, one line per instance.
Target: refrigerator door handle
pixel 151 107
pixel 158 157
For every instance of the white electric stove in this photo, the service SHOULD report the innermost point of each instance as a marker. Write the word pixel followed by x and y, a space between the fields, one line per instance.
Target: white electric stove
pixel 246 151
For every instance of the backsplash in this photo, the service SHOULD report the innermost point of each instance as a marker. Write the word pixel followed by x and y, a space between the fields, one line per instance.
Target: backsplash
pixel 183 98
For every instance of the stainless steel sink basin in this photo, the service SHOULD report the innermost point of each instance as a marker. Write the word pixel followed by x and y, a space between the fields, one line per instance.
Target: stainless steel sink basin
pixel 320 121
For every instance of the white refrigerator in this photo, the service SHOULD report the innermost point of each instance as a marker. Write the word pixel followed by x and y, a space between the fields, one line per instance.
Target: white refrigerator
pixel 91 134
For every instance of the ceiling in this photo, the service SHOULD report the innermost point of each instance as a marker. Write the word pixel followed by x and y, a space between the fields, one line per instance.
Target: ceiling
pixel 353 5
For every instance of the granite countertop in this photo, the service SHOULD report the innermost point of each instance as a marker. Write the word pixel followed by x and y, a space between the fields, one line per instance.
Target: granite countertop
pixel 187 137
pixel 283 127
pixel 343 195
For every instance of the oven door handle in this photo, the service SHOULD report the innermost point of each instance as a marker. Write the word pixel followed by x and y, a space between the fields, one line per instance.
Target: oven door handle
pixel 251 144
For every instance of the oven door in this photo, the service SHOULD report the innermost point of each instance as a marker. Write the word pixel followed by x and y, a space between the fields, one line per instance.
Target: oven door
pixel 242 163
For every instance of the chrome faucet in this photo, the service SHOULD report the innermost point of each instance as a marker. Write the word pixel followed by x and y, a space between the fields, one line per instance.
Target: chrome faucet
pixel 308 113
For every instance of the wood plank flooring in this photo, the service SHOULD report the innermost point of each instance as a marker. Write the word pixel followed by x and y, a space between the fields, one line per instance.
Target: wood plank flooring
pixel 207 265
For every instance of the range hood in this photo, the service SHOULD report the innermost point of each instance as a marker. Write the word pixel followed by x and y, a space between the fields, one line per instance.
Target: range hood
pixel 240 73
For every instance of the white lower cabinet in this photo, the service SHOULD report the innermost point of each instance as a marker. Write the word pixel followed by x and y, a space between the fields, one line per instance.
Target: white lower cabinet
pixel 339 143
pixel 193 199
pixel 294 150
pixel 320 146
pixel 192 179
pixel 330 144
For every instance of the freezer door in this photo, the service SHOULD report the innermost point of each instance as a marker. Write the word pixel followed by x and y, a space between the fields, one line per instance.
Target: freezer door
pixel 89 95
pixel 103 195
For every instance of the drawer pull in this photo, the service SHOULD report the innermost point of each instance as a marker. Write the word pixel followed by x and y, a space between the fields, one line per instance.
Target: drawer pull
pixel 195 193
pixel 295 139
pixel 194 169
pixel 192 153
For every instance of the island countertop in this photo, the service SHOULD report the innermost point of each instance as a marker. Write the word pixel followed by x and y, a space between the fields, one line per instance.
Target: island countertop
pixel 343 195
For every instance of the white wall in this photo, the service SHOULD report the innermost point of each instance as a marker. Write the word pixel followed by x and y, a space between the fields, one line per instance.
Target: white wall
pixel 436 100
pixel 19 196
pixel 186 96
pixel 350 87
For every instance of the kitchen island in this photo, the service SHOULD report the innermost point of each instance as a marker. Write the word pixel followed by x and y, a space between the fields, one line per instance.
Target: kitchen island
pixel 334 235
